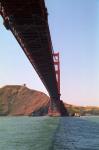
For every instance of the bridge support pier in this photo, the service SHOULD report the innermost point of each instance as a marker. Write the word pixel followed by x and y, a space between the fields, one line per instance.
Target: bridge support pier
pixel 57 108
pixel 54 108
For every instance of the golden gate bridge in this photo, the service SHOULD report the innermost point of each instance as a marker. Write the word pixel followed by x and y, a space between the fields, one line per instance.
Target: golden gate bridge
pixel 28 21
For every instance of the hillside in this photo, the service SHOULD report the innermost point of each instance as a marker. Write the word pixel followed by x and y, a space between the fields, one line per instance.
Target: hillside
pixel 82 111
pixel 19 100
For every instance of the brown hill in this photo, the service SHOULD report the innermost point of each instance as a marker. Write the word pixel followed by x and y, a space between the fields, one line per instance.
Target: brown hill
pixel 19 100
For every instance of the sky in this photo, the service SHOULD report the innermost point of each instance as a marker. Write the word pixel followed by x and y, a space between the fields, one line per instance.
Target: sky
pixel 74 28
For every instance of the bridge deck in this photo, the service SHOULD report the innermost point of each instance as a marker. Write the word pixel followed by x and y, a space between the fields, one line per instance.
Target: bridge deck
pixel 28 22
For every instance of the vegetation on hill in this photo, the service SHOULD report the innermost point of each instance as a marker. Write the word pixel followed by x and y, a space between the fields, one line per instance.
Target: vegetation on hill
pixel 82 111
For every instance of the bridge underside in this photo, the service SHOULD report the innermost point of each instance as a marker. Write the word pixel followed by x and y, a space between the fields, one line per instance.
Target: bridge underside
pixel 29 24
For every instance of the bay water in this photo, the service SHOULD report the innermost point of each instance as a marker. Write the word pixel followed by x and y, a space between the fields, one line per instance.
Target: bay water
pixel 49 133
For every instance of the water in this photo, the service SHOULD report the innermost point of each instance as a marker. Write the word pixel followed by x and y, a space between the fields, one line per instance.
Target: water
pixel 78 134
pixel 45 133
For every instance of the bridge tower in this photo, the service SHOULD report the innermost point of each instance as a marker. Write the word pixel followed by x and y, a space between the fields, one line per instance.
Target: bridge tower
pixel 54 108
pixel 57 69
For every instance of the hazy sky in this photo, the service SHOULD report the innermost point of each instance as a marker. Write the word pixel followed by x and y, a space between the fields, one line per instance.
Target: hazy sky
pixel 74 27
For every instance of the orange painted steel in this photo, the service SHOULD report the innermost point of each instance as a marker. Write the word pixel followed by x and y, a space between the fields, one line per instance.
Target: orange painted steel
pixel 57 69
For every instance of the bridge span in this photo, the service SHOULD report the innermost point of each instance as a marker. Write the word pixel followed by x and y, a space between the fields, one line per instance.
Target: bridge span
pixel 28 21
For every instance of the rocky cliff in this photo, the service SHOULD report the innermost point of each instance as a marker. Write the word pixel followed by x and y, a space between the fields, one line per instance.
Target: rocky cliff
pixel 19 100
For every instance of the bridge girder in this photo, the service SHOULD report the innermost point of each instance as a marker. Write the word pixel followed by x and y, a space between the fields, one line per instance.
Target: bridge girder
pixel 29 24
